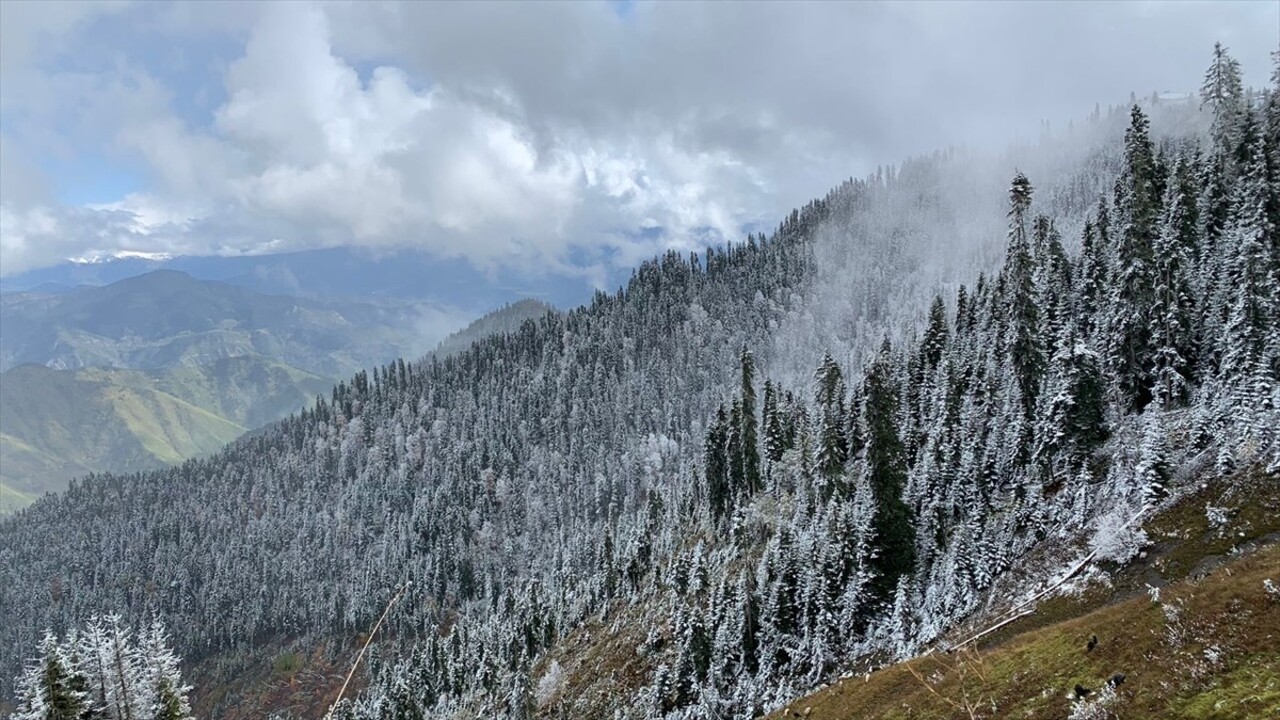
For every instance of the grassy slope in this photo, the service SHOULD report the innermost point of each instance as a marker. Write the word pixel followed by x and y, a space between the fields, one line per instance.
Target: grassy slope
pixel 1210 648
pixel 249 391
pixel 13 500
pixel 56 425
pixel 169 428
pixel 52 422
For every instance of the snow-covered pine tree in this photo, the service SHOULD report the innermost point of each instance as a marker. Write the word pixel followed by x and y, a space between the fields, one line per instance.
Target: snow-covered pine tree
pixel 1053 286
pixel 1126 326
pixel 833 445
pixel 1222 92
pixel 161 676
pixel 1072 420
pixel 751 480
pixel 1248 337
pixel 1091 277
pixel 884 471
pixel 1173 314
pixel 716 466
pixel 1017 278
pixel 51 686
pixel 772 424
pixel 1223 95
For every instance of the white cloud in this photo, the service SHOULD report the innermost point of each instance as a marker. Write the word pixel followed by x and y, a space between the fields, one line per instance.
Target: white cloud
pixel 526 134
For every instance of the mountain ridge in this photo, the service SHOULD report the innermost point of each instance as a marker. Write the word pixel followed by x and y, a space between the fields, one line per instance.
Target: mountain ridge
pixel 165 318
pixel 637 454
pixel 350 274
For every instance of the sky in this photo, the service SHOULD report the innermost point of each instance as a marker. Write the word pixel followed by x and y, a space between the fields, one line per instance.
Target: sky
pixel 567 138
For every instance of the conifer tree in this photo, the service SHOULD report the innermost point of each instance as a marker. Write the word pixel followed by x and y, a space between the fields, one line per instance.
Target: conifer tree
pixel 1017 276
pixel 1223 94
pixel 1153 467
pixel 1248 335
pixel 735 449
pixel 162 678
pixel 1172 315
pixel 774 432
pixel 1092 284
pixel 749 631
pixel 1053 284
pixel 1072 418
pixel 752 482
pixel 47 690
pixel 716 465
pixel 934 341
pixel 1127 326
pixel 885 470
pixel 833 447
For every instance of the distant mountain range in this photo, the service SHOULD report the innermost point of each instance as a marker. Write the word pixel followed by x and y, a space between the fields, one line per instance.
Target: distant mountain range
pixel 167 319
pixel 330 273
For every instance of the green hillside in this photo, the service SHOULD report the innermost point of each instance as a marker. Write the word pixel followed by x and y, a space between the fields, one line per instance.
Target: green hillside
pixel 59 424
pixel 12 500
pixel 250 391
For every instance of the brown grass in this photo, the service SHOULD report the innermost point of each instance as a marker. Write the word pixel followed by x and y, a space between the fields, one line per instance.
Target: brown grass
pixel 1210 648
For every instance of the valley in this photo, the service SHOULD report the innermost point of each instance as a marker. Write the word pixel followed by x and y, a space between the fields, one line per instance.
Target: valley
pixel 59 424
pixel 161 368
pixel 989 432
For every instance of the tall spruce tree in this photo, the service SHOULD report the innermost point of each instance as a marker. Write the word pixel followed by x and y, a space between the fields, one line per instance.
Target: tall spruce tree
pixel 47 690
pixel 1127 326
pixel 1091 284
pixel 751 480
pixel 1249 333
pixel 162 678
pixel 1223 94
pixel 736 451
pixel 885 472
pixel 716 465
pixel 1173 312
pixel 1072 420
pixel 833 444
pixel 1053 284
pixel 1018 280
pixel 934 341
pixel 774 431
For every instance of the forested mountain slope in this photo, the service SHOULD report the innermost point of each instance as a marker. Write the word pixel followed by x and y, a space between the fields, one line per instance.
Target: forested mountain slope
pixel 662 448
pixel 505 320
pixel 157 368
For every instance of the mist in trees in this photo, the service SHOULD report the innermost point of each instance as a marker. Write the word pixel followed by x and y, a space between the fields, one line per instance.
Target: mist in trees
pixel 817 445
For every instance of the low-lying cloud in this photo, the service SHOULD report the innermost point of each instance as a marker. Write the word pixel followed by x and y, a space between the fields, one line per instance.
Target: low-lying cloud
pixel 561 137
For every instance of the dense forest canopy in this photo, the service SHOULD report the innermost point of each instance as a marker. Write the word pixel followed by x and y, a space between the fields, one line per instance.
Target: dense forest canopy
pixel 797 450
